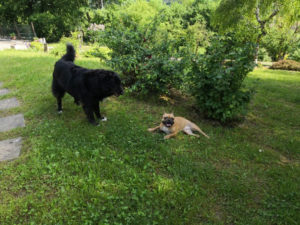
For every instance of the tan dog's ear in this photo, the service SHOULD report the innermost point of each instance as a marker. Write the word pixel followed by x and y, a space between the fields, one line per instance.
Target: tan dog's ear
pixel 172 114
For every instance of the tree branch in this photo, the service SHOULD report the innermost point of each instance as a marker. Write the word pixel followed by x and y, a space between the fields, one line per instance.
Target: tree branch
pixel 262 23
pixel 272 15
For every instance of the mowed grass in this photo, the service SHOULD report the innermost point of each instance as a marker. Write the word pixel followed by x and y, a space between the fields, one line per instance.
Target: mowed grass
pixel 70 172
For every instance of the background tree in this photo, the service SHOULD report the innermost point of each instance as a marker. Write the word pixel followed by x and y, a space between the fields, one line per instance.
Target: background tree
pixel 281 39
pixel 52 18
pixel 257 14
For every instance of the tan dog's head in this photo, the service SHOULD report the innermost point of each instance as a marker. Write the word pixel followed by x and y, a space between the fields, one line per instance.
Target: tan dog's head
pixel 168 119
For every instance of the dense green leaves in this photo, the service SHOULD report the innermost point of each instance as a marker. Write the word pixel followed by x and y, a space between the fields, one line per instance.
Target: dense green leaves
pixel 281 40
pixel 52 19
pixel 217 79
pixel 148 50
pixel 238 10
pixel 252 20
pixel 148 64
pixel 167 52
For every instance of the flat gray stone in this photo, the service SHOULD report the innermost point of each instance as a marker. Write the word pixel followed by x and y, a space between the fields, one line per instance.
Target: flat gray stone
pixel 8 103
pixel 10 149
pixel 11 122
pixel 4 91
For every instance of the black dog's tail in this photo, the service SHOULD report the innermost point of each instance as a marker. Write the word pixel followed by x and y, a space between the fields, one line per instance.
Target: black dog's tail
pixel 70 55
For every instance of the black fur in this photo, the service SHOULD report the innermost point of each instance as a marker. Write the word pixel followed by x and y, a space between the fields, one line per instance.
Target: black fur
pixel 87 86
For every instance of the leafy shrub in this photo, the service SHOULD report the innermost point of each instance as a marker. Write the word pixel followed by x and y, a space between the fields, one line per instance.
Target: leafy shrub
pixel 101 52
pixel 295 55
pixel 95 17
pixel 91 36
pixel 148 64
pixel 60 48
pixel 286 65
pixel 263 55
pixel 36 45
pixel 217 79
pixel 148 45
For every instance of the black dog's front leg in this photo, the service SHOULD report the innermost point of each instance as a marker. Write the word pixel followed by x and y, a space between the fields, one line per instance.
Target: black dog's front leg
pixel 97 112
pixel 59 106
pixel 96 108
pixel 89 114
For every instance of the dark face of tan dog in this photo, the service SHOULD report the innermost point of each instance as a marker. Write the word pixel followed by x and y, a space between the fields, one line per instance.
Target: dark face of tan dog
pixel 168 119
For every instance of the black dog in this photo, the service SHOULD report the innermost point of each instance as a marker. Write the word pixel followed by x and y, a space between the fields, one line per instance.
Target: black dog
pixel 87 86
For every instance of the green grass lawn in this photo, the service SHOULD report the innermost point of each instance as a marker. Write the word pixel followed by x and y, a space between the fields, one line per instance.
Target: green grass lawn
pixel 70 172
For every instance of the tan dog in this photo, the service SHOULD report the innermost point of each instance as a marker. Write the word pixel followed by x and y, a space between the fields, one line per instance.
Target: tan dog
pixel 172 125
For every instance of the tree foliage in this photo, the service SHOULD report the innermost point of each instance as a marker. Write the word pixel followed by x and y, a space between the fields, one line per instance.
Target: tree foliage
pixel 52 19
pixel 281 40
pixel 257 15
pixel 238 10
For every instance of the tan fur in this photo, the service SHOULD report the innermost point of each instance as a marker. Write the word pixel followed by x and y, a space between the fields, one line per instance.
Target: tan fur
pixel 180 124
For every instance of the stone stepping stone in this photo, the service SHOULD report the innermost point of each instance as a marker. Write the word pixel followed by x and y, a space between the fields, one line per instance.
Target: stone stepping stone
pixel 10 149
pixel 8 103
pixel 11 122
pixel 4 91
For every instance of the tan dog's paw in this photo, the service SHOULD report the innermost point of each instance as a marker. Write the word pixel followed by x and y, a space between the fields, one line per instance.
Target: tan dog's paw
pixel 150 129
pixel 166 137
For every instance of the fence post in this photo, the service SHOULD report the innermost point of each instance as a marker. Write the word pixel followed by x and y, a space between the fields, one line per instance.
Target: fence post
pixel 18 32
pixel 33 29
pixel 45 44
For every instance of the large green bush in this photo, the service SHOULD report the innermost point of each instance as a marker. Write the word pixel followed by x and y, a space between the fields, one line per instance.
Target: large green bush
pixel 147 64
pixel 217 79
pixel 148 45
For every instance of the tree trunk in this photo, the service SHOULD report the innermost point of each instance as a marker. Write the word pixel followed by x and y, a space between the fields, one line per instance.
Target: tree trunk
pixel 33 30
pixel 256 53
pixel 18 32
pixel 262 24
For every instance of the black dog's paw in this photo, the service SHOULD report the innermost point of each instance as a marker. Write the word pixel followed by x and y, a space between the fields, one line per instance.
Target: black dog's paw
pixel 103 118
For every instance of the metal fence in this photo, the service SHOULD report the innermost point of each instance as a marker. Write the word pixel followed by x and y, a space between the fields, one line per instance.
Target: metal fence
pixel 20 31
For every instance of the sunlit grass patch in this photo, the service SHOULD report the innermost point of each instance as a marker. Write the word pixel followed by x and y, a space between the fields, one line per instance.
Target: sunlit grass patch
pixel 70 172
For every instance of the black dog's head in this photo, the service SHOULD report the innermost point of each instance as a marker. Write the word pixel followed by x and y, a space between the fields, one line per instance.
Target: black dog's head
pixel 168 119
pixel 106 83
pixel 113 83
